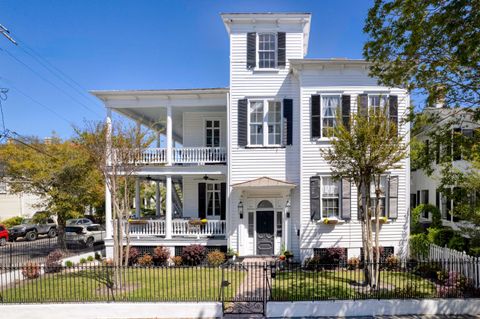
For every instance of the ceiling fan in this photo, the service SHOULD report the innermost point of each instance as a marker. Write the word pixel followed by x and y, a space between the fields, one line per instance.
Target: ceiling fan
pixel 205 178
pixel 150 178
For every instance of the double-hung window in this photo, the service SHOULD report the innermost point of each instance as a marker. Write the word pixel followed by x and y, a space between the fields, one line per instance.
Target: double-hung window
pixel 212 133
pixel 377 103
pixel 213 199
pixel 265 123
pixel 267 50
pixel 330 105
pixel 330 192
pixel 382 197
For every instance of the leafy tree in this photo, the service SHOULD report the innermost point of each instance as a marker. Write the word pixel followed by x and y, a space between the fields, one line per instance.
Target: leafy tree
pixel 116 152
pixel 363 153
pixel 59 172
pixel 432 46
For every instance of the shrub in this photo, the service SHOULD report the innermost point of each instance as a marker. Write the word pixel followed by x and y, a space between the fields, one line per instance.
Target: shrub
pixel 31 270
pixel 90 258
pixel 146 260
pixel 69 264
pixel 215 258
pixel 133 255
pixel 177 260
pixel 12 221
pixel 193 255
pixel 419 245
pixel 474 251
pixel 440 236
pixel 329 258
pixel 108 262
pixel 392 262
pixel 53 262
pixel 83 260
pixel 353 263
pixel 98 256
pixel 428 271
pixel 457 242
pixel 161 255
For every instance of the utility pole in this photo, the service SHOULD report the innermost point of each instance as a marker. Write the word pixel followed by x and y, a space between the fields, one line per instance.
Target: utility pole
pixel 3 91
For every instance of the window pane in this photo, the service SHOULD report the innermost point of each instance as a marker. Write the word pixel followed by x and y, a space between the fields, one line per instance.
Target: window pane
pixel 274 119
pixel 266 50
pixel 330 197
pixel 256 122
pixel 330 105
pixel 383 189
pixel 279 224
pixel 251 224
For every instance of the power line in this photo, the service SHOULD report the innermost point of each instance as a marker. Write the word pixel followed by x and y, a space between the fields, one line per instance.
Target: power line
pixel 48 81
pixel 36 101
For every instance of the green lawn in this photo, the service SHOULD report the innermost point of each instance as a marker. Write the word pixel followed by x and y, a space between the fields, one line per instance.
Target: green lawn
pixel 340 284
pixel 142 284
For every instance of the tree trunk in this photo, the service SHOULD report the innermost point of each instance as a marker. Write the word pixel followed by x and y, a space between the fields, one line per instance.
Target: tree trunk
pixel 61 231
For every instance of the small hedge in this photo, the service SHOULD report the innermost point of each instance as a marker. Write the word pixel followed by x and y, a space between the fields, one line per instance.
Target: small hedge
pixel 193 255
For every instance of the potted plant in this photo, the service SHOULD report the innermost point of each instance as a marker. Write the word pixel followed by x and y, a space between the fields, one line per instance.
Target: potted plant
pixel 282 257
pixel 288 255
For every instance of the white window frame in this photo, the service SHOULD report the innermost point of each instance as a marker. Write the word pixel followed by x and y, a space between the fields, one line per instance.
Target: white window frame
pixel 321 112
pixel 322 217
pixel 275 34
pixel 265 122
pixel 381 95
pixel 213 191
pixel 385 197
pixel 205 131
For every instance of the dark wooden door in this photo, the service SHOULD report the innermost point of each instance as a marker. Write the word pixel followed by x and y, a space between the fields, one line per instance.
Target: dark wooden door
pixel 265 233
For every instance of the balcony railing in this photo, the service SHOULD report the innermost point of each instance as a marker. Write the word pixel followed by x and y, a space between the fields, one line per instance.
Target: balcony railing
pixel 180 228
pixel 182 155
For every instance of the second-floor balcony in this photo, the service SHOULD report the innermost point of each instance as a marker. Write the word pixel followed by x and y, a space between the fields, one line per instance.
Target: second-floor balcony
pixel 183 155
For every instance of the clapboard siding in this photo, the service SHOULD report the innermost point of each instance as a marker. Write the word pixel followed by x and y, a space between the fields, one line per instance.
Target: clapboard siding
pixel 250 163
pixel 194 128
pixel 353 82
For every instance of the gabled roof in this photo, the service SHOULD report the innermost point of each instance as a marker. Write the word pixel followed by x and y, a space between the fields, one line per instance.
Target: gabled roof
pixel 263 182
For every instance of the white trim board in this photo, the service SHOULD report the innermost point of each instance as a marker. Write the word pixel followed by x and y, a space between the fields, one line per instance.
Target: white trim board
pixel 114 310
pixel 357 308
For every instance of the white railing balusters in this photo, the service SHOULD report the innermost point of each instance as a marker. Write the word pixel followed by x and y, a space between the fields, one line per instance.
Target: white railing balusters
pixel 183 155
pixel 179 228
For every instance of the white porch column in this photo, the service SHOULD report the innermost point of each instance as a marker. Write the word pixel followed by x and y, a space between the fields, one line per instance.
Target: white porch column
pixel 137 197
pixel 169 134
pixel 108 195
pixel 158 200
pixel 168 208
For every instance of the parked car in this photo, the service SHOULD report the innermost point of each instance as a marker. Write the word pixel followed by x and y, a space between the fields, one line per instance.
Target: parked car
pixel 30 230
pixel 79 221
pixel 84 235
pixel 3 235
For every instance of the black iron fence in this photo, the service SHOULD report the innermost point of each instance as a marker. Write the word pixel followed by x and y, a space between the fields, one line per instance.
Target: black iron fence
pixel 18 253
pixel 239 286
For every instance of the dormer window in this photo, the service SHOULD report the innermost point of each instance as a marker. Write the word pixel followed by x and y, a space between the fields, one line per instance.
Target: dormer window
pixel 267 50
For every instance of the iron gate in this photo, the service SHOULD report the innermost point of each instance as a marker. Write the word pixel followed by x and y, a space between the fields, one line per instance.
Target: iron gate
pixel 245 288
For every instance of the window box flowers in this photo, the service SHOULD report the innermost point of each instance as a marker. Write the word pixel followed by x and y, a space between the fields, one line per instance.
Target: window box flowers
pixel 332 221
pixel 137 222
pixel 197 222
pixel 381 220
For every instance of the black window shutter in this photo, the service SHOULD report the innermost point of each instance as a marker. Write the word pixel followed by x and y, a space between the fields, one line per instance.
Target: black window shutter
pixel 393 110
pixel 418 198
pixel 456 149
pixel 316 116
pixel 223 200
pixel 437 199
pixel 363 104
pixel 281 49
pixel 251 50
pixel 393 197
pixel 448 199
pixel 242 109
pixel 202 200
pixel 287 121
pixel 346 111
pixel 315 213
pixel 346 199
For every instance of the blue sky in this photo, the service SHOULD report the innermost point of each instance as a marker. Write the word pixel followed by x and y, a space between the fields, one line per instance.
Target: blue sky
pixel 136 45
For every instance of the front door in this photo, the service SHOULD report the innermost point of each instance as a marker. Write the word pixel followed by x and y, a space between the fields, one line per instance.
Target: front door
pixel 265 233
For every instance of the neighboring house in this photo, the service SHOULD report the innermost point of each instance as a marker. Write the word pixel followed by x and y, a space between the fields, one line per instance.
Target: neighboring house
pixel 248 157
pixel 16 204
pixel 425 188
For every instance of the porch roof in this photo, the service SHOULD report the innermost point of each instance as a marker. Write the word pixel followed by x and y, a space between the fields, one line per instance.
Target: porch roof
pixel 264 182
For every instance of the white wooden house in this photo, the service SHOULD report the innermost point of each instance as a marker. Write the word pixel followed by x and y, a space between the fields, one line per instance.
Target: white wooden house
pixel 247 157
